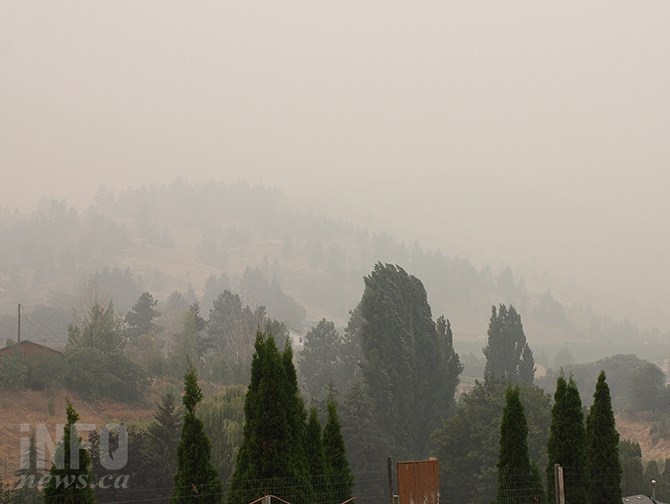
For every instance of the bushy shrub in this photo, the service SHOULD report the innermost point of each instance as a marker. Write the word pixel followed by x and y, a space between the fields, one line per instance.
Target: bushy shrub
pixel 97 374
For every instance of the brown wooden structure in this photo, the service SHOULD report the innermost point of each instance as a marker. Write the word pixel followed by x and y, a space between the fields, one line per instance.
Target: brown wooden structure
pixel 419 482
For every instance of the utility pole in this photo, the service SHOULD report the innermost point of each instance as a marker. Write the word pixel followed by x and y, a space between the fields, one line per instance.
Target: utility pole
pixel 18 334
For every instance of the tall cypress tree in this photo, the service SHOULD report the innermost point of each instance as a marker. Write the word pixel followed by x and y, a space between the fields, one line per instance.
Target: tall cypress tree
pixel 518 481
pixel 508 356
pixel 367 445
pixel 163 434
pixel 339 471
pixel 267 462
pixel 196 480
pixel 632 475
pixel 337 463
pixel 567 442
pixel 603 447
pixel 70 477
pixel 316 457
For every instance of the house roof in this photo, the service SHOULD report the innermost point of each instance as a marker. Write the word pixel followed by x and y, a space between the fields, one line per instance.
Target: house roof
pixel 639 499
pixel 28 347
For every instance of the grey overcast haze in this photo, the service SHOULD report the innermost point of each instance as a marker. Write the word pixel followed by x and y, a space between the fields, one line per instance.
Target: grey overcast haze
pixel 528 134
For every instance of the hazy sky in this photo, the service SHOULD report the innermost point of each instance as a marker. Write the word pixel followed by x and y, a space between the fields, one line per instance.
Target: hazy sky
pixel 535 134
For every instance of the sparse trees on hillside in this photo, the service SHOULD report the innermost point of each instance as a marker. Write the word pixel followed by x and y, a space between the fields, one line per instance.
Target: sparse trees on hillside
pixel 508 356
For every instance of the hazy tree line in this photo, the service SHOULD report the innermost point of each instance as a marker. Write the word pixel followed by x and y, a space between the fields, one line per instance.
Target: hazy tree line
pixel 49 253
pixel 394 372
pixel 173 458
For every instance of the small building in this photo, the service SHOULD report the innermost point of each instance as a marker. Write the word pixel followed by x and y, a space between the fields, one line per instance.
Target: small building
pixel 27 347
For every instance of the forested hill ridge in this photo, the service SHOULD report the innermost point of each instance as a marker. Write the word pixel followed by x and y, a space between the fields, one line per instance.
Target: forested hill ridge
pixel 200 239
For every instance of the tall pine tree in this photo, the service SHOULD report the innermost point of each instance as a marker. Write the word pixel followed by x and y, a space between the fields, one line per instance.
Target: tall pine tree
pixel 567 442
pixel 508 356
pixel 339 473
pixel 518 481
pixel 268 461
pixel 632 475
pixel 70 480
pixel 316 458
pixel 196 480
pixel 603 447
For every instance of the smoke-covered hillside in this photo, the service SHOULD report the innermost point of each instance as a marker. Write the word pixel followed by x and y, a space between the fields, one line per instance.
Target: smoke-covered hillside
pixel 200 239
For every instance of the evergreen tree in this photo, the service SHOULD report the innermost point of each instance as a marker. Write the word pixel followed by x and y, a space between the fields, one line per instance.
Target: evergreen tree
pixel 320 361
pixel 450 364
pixel 663 486
pixel 603 448
pixel 651 473
pixel 190 343
pixel 367 445
pixel 140 319
pixel 316 457
pixel 267 461
pixel 402 365
pixel 508 356
pixel 70 477
pixel 163 442
pixel 567 442
pixel 297 417
pixel 339 473
pixel 196 480
pixel 29 476
pixel 468 442
pixel 632 477
pixel 517 481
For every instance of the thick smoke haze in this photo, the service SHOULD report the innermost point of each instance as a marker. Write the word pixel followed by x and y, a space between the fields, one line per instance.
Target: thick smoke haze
pixel 520 133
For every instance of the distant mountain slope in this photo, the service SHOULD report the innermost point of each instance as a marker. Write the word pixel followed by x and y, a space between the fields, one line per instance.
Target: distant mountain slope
pixel 254 240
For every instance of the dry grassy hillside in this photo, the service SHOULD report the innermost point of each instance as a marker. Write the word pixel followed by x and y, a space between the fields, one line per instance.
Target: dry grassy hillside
pixel 640 432
pixel 30 407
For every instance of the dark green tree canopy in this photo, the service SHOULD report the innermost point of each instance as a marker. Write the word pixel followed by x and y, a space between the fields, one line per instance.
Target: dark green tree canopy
pixel 508 356
pixel 272 449
pixel 140 319
pixel 409 372
pixel 567 442
pixel 320 359
pixel 337 462
pixel 468 443
pixel 632 477
pixel 196 480
pixel 70 477
pixel 516 478
pixel 603 447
